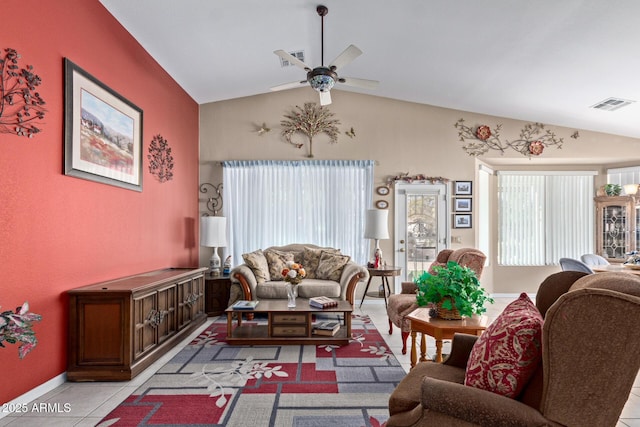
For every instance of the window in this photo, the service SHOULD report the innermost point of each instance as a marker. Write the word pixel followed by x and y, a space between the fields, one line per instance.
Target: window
pixel 544 216
pixel 274 203
pixel 622 176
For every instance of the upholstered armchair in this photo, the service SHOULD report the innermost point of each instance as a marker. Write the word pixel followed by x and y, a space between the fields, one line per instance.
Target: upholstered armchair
pixel 588 364
pixel 401 304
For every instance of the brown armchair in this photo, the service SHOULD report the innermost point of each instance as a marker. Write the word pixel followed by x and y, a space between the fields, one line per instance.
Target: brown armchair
pixel 399 305
pixel 590 360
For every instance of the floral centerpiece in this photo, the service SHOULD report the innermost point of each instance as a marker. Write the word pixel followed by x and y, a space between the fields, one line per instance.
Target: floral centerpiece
pixel 17 327
pixel 455 289
pixel 293 274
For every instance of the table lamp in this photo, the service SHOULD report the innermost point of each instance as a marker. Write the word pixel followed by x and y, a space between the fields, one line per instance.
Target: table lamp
pixel 213 233
pixel 376 227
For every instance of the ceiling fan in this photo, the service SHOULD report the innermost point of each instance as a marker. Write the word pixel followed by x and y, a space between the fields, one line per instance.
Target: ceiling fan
pixel 323 78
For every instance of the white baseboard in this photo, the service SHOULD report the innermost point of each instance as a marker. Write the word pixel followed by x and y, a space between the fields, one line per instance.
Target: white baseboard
pixel 35 393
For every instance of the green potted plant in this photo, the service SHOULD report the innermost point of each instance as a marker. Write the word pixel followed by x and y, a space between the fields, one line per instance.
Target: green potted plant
pixel 454 289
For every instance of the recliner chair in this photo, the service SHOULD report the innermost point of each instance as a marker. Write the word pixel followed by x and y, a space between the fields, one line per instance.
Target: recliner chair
pixel 399 305
pixel 570 264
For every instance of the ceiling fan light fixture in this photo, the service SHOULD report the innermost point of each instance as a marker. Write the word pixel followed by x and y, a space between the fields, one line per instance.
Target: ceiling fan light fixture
pixel 322 79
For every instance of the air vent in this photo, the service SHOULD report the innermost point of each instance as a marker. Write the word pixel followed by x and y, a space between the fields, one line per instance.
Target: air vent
pixel 298 54
pixel 611 104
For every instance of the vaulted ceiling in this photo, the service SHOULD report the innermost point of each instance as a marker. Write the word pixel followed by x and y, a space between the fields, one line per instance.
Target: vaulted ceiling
pixel 548 61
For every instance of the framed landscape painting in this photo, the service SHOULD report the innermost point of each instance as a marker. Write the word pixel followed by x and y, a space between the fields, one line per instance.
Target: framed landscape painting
pixel 462 204
pixel 462 188
pixel 462 221
pixel 103 132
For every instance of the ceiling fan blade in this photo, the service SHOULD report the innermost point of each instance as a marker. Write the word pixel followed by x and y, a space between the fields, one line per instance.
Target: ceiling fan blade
pixel 361 83
pixel 325 98
pixel 347 55
pixel 285 86
pixel 292 59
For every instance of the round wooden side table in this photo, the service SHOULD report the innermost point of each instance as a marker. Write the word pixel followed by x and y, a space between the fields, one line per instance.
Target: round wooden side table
pixel 384 273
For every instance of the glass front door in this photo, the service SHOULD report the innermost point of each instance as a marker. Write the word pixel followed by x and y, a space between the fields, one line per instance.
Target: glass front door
pixel 421 226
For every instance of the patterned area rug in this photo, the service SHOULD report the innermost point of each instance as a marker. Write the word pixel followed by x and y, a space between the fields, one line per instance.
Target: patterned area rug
pixel 211 383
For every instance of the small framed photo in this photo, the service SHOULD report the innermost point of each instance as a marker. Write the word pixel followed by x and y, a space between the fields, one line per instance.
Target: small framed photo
pixel 383 190
pixel 462 221
pixel 462 204
pixel 462 188
pixel 382 204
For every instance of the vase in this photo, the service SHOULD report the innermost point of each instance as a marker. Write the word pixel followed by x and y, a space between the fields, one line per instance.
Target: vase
pixel 292 293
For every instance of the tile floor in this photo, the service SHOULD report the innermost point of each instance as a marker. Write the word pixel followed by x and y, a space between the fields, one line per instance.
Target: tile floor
pixel 90 402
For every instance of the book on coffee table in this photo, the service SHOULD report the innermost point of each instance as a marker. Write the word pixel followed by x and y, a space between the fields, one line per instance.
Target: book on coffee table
pixel 322 302
pixel 328 328
pixel 245 305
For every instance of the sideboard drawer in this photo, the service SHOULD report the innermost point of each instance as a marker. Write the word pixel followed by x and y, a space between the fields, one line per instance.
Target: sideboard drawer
pixel 289 331
pixel 289 318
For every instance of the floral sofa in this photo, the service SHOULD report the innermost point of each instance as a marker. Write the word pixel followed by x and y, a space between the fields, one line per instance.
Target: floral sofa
pixel 329 273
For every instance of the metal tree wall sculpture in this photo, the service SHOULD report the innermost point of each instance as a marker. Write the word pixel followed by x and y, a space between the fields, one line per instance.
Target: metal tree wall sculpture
pixel 310 120
pixel 160 159
pixel 21 107
pixel 532 141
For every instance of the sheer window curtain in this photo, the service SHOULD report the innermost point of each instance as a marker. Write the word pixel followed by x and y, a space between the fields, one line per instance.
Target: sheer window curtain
pixel 544 217
pixel 273 203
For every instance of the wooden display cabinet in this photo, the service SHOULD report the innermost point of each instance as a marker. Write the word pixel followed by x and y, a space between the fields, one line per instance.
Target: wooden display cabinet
pixel 120 327
pixel 617 226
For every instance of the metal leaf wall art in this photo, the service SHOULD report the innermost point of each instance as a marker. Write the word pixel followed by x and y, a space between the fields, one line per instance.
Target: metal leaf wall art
pixel 310 120
pixel 160 159
pixel 532 141
pixel 21 106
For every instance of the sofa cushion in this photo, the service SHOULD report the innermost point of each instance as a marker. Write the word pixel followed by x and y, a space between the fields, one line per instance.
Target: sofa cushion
pixel 308 288
pixel 331 266
pixel 506 355
pixel 277 261
pixel 312 259
pixel 257 262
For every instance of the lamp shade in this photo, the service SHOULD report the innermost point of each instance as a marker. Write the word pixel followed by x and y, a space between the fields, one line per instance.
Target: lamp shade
pixel 376 226
pixel 213 231
pixel 630 189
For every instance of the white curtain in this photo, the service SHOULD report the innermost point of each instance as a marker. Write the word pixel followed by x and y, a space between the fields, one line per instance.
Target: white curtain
pixel 544 216
pixel 272 203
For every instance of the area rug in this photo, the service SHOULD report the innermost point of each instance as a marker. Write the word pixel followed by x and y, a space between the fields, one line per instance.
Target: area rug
pixel 214 384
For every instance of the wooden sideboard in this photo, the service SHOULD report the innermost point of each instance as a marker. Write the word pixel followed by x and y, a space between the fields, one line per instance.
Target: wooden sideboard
pixel 120 327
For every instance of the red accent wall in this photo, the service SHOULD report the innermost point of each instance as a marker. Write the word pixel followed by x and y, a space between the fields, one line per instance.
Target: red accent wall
pixel 58 232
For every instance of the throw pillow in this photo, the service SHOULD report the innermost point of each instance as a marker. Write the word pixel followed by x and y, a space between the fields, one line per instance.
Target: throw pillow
pixel 312 260
pixel 258 264
pixel 506 355
pixel 331 265
pixel 277 261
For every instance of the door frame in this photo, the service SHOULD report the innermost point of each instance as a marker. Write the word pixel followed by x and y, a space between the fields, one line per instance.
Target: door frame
pixel 401 189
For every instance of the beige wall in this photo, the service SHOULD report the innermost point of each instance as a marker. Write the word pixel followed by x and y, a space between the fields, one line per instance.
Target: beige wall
pixel 401 137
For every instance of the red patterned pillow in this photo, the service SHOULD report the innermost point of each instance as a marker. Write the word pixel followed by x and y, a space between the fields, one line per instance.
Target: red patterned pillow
pixel 505 356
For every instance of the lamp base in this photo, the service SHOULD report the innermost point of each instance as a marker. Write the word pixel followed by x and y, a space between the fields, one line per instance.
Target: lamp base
pixel 215 263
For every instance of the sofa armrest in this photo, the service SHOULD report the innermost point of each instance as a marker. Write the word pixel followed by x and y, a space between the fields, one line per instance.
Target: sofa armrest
pixel 243 276
pixel 477 406
pixel 461 346
pixel 352 273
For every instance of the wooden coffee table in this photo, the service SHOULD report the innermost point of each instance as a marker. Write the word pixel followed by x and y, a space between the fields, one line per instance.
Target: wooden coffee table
pixel 440 329
pixel 287 326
